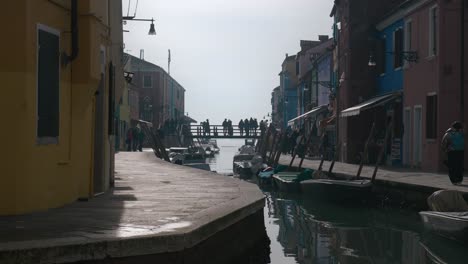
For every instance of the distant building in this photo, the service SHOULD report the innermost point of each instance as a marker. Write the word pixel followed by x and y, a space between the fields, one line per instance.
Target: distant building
pixel 288 88
pixel 161 97
pixel 276 107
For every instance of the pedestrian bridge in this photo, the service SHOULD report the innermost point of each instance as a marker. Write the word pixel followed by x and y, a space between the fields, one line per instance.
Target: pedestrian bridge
pixel 217 131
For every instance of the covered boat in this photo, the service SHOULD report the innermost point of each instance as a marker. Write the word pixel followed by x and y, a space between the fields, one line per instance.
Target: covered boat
pixel 448 216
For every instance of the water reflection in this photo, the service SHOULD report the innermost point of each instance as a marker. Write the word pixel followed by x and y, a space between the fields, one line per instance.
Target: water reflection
pixel 313 232
pixel 307 231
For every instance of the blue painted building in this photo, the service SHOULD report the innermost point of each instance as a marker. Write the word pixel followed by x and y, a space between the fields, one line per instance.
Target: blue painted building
pixel 288 89
pixel 389 66
pixel 389 63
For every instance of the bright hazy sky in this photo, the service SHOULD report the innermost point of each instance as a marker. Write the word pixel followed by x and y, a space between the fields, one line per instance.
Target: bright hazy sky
pixel 226 54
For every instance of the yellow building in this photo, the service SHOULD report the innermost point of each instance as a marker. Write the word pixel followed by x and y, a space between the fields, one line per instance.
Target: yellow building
pixel 61 72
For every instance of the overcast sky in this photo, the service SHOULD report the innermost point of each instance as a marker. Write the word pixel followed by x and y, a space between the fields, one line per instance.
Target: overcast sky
pixel 226 53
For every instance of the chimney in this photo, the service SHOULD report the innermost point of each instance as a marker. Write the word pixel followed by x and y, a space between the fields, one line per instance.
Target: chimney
pixel 287 55
pixel 142 54
pixel 307 44
pixel 323 38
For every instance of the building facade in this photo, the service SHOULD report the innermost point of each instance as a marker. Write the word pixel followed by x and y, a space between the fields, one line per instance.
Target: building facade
pixel 433 86
pixel 288 88
pixel 160 96
pixel 62 93
pixel 354 81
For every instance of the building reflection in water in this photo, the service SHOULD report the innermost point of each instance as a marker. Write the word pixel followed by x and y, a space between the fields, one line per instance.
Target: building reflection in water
pixel 314 232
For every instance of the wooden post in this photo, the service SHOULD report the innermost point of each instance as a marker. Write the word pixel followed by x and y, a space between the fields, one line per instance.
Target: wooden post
pixel 309 141
pixel 281 147
pixel 295 152
pixel 273 147
pixel 382 150
pixel 366 149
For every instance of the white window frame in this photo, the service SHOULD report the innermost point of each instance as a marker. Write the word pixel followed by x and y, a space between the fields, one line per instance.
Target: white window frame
pixel 46 140
pixel 431 52
pixel 151 81
pixel 407 39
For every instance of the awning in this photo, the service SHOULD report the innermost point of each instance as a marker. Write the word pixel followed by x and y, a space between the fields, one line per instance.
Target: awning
pixel 315 111
pixel 373 102
pixel 145 122
pixel 188 119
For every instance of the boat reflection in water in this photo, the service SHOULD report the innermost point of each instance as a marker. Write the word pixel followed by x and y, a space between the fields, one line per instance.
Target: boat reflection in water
pixel 317 232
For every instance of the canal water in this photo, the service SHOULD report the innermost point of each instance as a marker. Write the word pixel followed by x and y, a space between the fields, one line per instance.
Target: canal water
pixel 302 230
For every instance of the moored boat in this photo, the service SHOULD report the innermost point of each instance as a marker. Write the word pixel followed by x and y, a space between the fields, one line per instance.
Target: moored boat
pixel 448 216
pixel 290 181
pixel 338 189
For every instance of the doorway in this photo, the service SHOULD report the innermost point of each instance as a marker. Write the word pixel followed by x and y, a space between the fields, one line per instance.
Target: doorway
pixel 407 136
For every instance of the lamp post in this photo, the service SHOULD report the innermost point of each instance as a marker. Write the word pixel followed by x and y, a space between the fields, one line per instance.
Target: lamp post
pixel 152 30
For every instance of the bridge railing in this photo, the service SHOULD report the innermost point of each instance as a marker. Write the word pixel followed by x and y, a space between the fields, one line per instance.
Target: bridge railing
pixel 219 131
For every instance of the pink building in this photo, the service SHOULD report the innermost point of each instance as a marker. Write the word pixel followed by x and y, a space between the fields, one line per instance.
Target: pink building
pixel 432 86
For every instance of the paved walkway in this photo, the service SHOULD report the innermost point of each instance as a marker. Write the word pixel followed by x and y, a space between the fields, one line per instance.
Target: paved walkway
pixel 156 207
pixel 388 175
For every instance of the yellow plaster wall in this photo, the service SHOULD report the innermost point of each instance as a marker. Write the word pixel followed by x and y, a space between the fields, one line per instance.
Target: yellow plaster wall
pixel 37 177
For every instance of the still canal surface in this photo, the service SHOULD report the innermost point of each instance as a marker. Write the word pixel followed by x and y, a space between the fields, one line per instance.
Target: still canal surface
pixel 302 230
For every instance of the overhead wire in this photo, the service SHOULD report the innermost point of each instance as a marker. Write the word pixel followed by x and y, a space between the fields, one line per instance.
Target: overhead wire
pixel 136 7
pixel 128 9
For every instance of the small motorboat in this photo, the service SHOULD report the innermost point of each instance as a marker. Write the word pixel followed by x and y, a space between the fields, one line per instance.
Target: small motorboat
pixel 290 181
pixel 209 152
pixel 448 216
pixel 246 162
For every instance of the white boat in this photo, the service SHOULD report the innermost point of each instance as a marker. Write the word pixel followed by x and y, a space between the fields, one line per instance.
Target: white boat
pixel 246 162
pixel 184 156
pixel 448 216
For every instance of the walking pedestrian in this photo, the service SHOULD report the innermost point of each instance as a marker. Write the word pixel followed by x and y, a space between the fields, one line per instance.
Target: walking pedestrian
pixel 453 143
pixel 135 132
pixel 129 139
pixel 141 139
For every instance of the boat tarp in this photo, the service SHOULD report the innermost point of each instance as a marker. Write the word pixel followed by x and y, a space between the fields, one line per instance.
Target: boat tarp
pixel 447 201
pixel 315 111
pixel 371 103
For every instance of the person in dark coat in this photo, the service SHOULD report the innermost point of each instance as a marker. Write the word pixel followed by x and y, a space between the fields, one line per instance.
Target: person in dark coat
pixel 207 127
pixel 241 127
pixel 246 127
pixel 129 139
pixel 225 126
pixel 453 143
pixel 229 126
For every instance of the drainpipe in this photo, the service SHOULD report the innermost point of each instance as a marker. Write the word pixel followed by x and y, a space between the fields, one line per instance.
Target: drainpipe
pixel 74 31
pixel 462 61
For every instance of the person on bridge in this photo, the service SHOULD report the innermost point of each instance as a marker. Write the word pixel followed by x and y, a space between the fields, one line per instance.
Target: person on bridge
pixel 207 127
pixel 225 127
pixel 241 127
pixel 230 129
pixel 255 125
pixel 246 127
